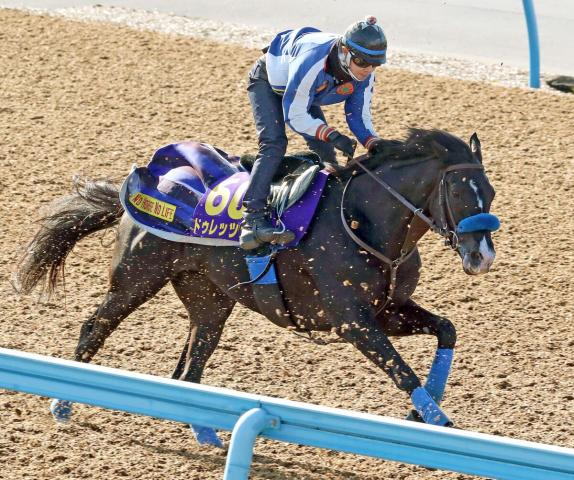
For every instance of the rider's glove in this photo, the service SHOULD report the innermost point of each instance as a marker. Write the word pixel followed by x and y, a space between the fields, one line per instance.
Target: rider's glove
pixel 343 143
pixel 375 145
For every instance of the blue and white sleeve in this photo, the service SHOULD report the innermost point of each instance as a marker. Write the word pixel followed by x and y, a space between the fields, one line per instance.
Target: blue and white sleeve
pixel 358 112
pixel 299 94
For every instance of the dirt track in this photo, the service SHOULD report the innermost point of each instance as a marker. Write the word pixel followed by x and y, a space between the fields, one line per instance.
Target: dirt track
pixel 90 99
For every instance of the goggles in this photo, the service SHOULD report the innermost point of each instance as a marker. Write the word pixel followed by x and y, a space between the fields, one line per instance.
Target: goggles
pixel 362 63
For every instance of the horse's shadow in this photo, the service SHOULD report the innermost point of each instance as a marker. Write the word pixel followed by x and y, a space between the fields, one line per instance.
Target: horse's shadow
pixel 264 466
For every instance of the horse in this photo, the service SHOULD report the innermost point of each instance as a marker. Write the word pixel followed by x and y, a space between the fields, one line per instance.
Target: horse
pixel 353 273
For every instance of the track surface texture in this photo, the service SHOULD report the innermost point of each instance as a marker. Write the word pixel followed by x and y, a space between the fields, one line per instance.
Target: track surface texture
pixel 92 99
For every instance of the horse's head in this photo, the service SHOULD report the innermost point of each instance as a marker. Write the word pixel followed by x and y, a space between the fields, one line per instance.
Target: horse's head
pixel 460 205
pixel 441 180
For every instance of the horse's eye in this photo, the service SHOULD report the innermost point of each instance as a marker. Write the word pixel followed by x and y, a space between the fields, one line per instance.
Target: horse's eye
pixel 455 194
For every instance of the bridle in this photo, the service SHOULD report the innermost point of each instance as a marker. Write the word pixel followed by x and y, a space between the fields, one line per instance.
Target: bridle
pixel 448 228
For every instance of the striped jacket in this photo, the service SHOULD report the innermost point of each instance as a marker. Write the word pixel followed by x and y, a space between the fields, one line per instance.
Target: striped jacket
pixel 296 68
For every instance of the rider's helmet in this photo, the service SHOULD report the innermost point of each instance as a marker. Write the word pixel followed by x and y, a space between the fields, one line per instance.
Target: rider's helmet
pixel 366 44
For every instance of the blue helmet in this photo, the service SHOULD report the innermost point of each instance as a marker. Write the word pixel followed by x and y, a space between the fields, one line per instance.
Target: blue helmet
pixel 366 42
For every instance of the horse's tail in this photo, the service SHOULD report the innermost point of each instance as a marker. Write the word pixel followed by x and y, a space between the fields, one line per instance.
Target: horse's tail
pixel 93 206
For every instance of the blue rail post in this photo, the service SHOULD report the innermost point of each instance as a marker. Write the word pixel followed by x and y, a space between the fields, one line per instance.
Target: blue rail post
pixel 530 15
pixel 245 432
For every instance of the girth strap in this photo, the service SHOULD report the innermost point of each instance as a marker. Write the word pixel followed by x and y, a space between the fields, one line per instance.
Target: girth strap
pixel 266 290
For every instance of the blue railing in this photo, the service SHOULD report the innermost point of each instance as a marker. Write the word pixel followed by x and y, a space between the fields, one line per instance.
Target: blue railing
pixel 250 416
pixel 532 27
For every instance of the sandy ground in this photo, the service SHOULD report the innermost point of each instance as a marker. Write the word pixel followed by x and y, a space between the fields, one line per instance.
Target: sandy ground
pixel 93 99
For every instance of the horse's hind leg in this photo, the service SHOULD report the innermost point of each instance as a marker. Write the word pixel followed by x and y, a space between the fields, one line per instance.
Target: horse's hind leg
pixel 117 305
pixel 411 319
pixel 133 281
pixel 141 265
pixel 208 309
pixel 123 297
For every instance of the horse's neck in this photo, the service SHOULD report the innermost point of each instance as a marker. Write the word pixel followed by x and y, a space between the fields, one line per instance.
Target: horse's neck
pixel 393 225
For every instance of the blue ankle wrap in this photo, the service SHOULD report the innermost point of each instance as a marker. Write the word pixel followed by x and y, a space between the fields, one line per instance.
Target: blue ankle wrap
pixel 438 374
pixel 61 410
pixel 256 265
pixel 206 436
pixel 428 409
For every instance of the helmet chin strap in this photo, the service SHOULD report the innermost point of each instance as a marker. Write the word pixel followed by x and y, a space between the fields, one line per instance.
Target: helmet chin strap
pixel 345 60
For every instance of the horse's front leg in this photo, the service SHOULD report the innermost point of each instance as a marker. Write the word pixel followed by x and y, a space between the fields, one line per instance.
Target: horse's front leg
pixel 356 322
pixel 411 319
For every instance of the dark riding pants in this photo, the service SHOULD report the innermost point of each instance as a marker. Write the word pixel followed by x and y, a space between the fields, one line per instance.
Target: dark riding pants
pixel 270 125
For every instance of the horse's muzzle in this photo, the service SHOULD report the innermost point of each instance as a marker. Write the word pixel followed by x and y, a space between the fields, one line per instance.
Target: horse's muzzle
pixel 478 261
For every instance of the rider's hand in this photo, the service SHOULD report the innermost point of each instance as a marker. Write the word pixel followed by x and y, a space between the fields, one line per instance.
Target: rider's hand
pixel 376 146
pixel 343 143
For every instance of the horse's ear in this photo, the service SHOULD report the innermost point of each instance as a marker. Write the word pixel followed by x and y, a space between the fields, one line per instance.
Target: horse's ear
pixel 475 147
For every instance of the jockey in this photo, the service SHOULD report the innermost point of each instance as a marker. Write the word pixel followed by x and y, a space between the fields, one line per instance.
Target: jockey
pixel 300 71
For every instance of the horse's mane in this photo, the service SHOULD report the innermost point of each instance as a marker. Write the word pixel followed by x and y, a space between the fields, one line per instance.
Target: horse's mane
pixel 420 145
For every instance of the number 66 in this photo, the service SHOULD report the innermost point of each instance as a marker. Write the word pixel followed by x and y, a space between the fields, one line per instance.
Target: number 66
pixel 222 195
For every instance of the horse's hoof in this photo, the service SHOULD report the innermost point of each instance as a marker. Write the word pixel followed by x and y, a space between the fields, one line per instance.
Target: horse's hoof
pixel 61 410
pixel 206 436
pixel 414 416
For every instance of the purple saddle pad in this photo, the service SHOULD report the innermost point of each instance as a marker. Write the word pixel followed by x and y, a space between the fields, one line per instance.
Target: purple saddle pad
pixel 192 192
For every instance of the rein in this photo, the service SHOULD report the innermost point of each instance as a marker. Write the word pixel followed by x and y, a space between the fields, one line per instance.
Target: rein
pixel 448 229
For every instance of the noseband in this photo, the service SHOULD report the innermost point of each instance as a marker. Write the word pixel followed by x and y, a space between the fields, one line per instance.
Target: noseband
pixel 449 229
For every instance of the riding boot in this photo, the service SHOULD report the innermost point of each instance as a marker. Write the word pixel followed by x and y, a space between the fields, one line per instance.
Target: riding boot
pixel 258 228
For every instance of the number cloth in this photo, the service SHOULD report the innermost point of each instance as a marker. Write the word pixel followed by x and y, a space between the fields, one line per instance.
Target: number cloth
pixel 192 192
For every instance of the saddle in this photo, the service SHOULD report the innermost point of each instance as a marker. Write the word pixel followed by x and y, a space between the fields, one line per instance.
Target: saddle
pixel 294 176
pixel 291 188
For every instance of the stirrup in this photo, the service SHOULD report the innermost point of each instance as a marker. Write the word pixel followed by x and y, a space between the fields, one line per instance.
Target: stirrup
pixel 250 240
pixel 258 229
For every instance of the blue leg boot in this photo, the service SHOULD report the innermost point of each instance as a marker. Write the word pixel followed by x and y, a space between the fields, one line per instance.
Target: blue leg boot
pixel 438 374
pixel 61 410
pixel 428 409
pixel 206 436
pixel 436 380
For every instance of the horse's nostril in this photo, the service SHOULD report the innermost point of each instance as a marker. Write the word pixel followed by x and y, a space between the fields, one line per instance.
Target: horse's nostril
pixel 476 256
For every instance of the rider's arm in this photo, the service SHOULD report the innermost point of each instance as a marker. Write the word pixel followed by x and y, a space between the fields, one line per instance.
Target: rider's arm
pixel 358 112
pixel 304 79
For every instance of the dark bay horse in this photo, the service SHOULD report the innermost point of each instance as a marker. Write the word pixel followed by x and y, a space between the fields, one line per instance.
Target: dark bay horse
pixel 359 254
